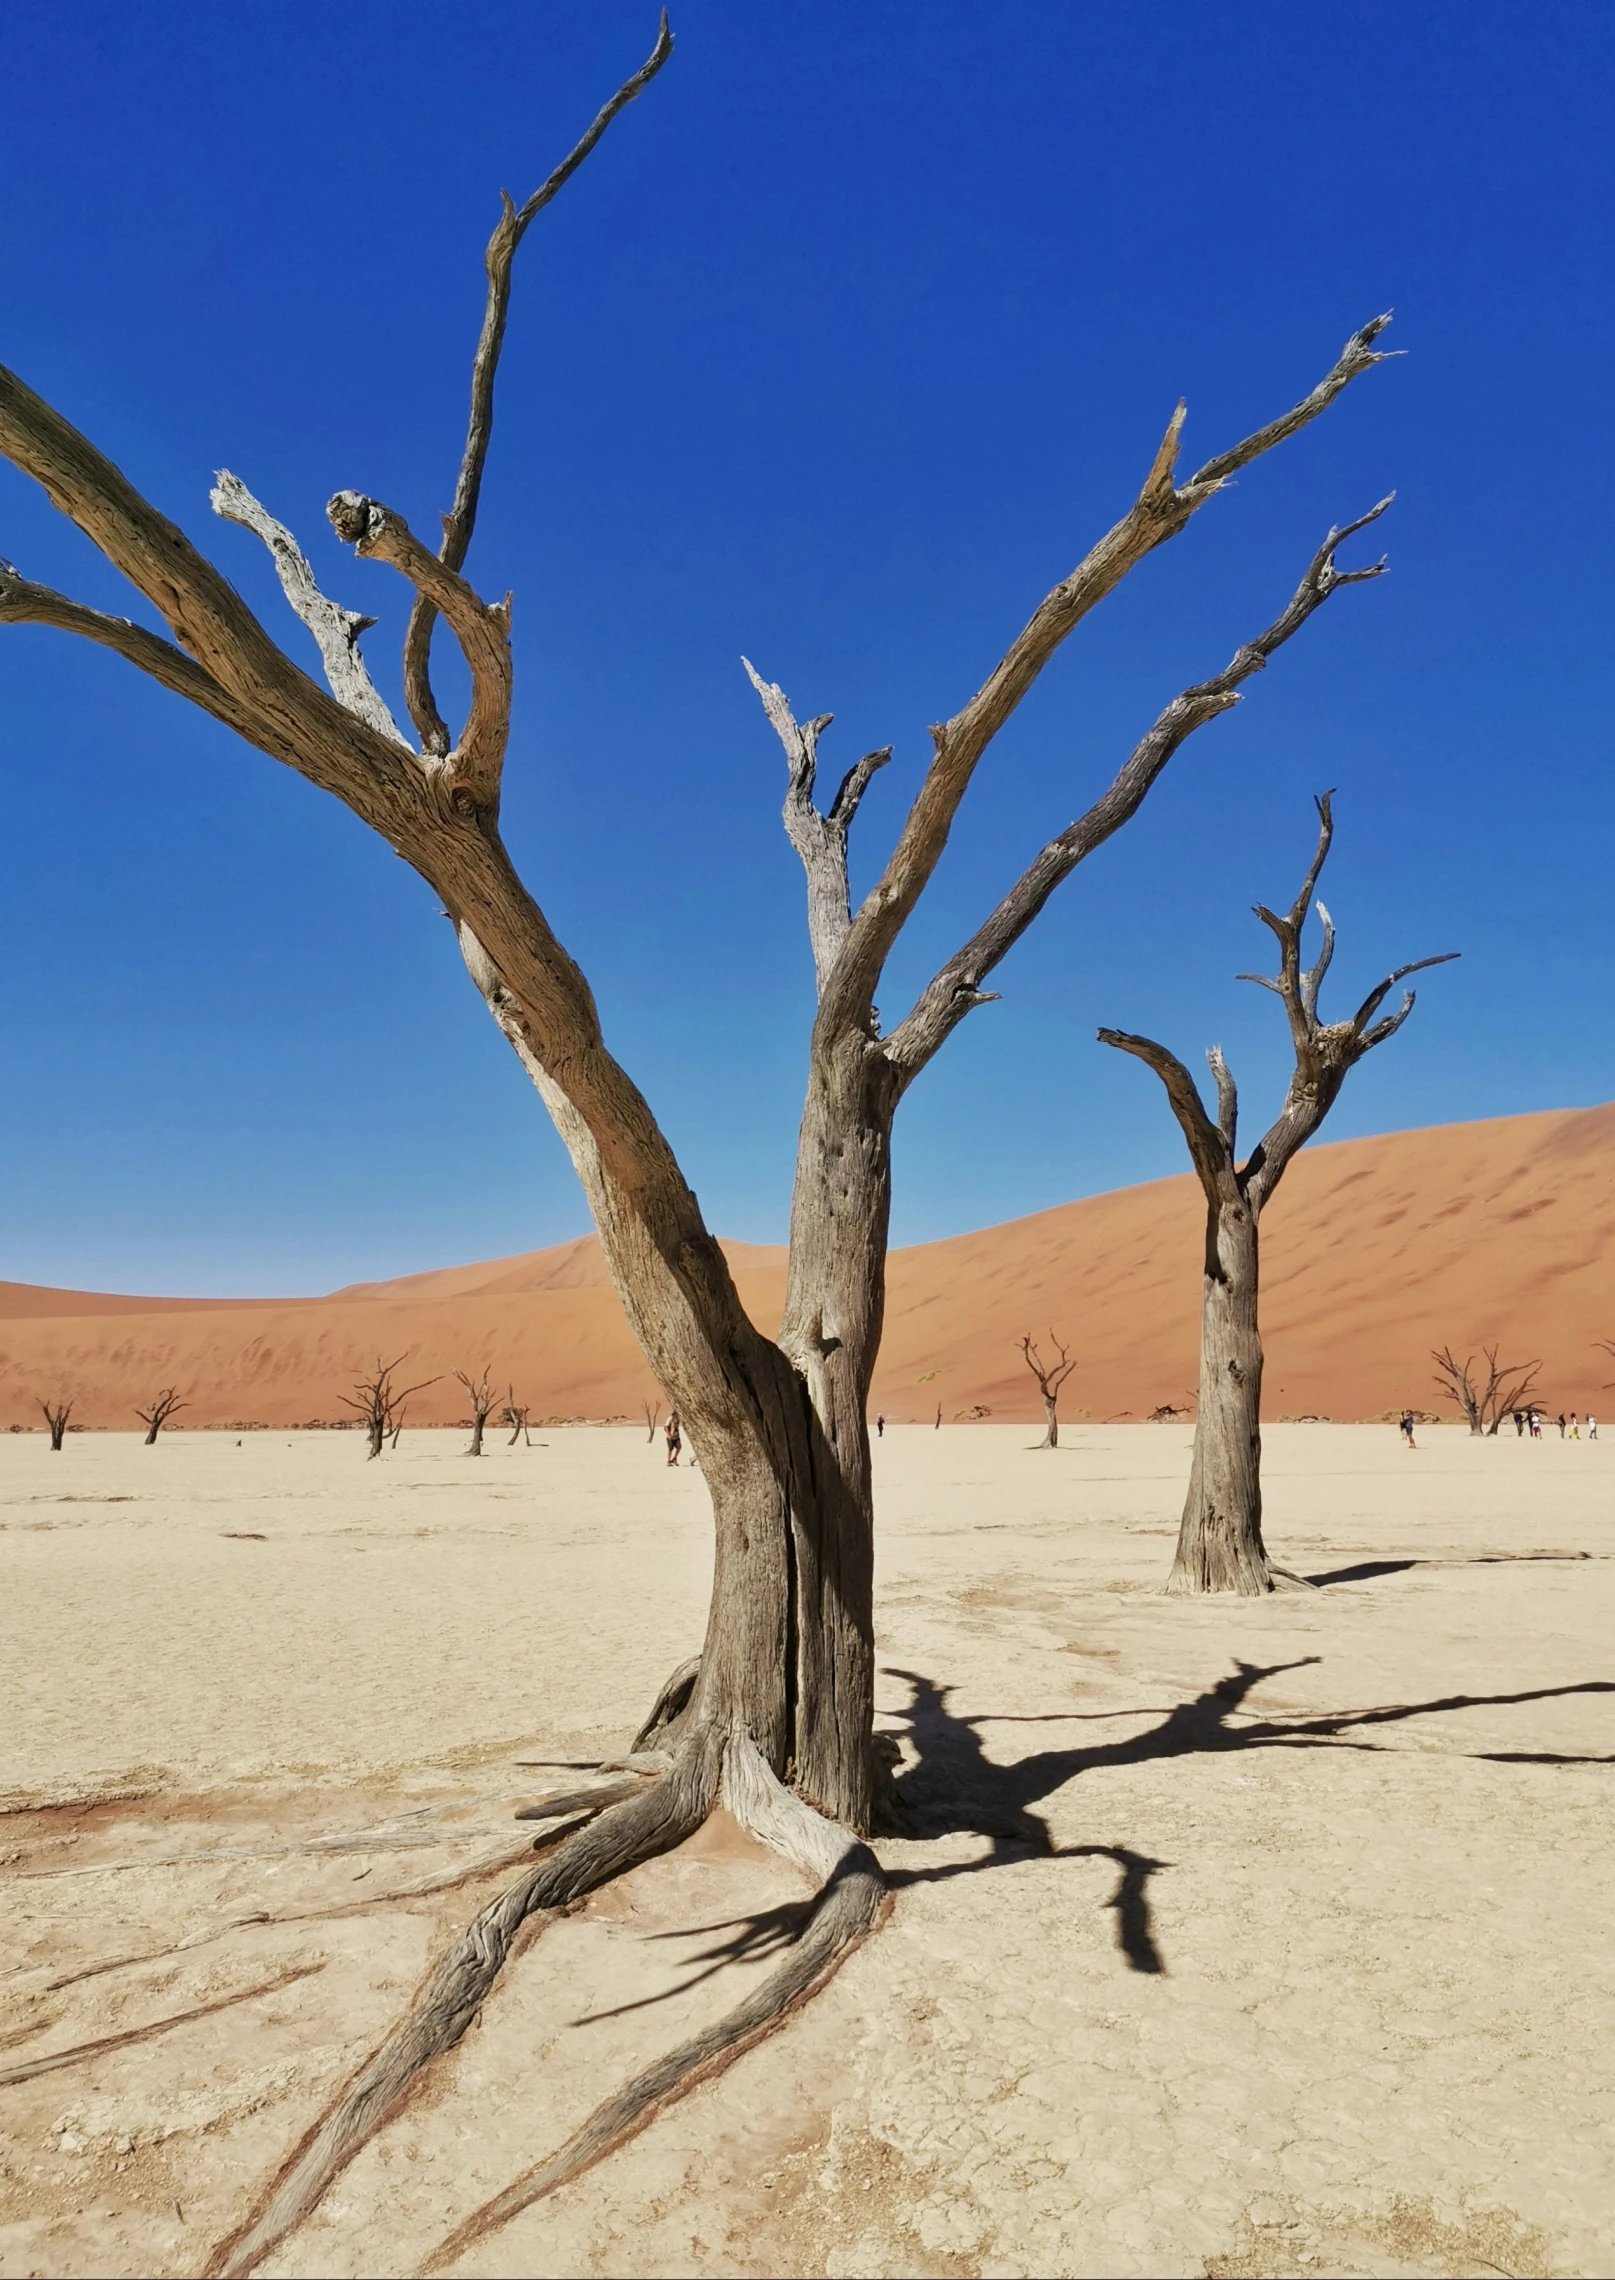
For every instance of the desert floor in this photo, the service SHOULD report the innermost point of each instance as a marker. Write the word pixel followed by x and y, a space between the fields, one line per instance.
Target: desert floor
pixel 1230 1938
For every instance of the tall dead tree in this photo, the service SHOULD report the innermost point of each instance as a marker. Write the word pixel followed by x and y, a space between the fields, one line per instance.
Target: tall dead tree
pixel 157 1416
pixel 777 1721
pixel 1484 1402
pixel 1050 1377
pixel 514 1414
pixel 482 1401
pixel 651 1411
pixel 1220 1540
pixel 56 1415
pixel 380 1405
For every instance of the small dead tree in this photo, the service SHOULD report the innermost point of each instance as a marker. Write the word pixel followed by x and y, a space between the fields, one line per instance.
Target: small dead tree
pixel 482 1403
pixel 56 1415
pixel 1220 1541
pixel 157 1416
pixel 651 1411
pixel 380 1405
pixel 776 1722
pixel 514 1414
pixel 1484 1401
pixel 1050 1377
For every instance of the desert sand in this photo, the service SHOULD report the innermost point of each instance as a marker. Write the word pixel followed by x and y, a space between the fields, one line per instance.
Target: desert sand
pixel 1373 1252
pixel 1227 1937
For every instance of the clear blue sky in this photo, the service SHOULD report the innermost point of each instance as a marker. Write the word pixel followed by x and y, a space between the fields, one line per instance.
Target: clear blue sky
pixel 855 332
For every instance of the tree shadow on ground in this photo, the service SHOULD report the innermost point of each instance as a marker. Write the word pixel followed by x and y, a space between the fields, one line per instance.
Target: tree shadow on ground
pixel 953 1788
pixel 1366 1570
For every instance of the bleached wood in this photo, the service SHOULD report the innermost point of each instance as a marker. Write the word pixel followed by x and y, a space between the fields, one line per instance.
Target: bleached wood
pixel 336 631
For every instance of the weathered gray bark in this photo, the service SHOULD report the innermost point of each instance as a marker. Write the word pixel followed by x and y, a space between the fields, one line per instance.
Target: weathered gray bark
pixel 1220 1544
pixel 56 1415
pixel 782 1692
pixel 1484 1405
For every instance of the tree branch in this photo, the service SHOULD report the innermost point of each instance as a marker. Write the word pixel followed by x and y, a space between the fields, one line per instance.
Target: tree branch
pixel 1208 1149
pixel 820 840
pixel 460 520
pixel 1160 511
pixel 22 602
pixel 956 990
pixel 481 628
pixel 336 631
pixel 274 703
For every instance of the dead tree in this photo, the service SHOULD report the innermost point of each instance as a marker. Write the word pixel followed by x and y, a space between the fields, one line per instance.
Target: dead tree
pixel 1484 1403
pixel 651 1411
pixel 1220 1541
pixel 777 1721
pixel 157 1416
pixel 380 1404
pixel 1050 1377
pixel 482 1401
pixel 514 1414
pixel 56 1415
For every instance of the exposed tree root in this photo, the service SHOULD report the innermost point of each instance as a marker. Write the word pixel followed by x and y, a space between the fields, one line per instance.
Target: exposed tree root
pixel 52 2060
pixel 669 1706
pixel 850 1904
pixel 660 1816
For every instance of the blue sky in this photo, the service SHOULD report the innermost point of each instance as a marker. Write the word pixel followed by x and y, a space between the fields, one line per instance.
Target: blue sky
pixel 860 326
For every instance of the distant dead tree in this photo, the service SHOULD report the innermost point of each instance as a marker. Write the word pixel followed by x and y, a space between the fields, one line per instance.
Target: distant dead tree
pixel 777 1725
pixel 380 1405
pixel 482 1402
pixel 56 1416
pixel 1220 1541
pixel 1484 1402
pixel 1050 1377
pixel 157 1416
pixel 651 1411
pixel 514 1414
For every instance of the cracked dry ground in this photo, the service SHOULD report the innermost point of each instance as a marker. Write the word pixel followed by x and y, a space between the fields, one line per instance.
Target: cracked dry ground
pixel 1254 1938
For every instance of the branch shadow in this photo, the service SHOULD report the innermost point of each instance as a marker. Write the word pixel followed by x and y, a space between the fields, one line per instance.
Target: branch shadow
pixel 954 1788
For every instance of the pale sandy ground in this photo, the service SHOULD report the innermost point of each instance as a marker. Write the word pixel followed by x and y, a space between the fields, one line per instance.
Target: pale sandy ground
pixel 1232 1938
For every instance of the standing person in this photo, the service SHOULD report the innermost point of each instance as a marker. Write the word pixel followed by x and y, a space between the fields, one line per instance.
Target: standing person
pixel 675 1439
pixel 1592 1426
pixel 1561 1424
pixel 1575 1428
pixel 1535 1423
pixel 1519 1423
pixel 1407 1428
pixel 880 1428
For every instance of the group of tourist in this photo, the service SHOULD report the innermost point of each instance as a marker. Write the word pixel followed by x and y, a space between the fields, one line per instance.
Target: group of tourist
pixel 1525 1421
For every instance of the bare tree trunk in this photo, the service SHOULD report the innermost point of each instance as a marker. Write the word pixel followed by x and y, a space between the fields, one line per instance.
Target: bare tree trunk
pixel 1051 1436
pixel 1220 1540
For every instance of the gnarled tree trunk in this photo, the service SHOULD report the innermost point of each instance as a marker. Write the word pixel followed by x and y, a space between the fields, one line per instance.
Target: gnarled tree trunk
pixel 1220 1538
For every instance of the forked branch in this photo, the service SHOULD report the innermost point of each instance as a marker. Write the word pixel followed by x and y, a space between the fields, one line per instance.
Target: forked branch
pixel 461 518
pixel 820 839
pixel 956 990
pixel 336 631
pixel 1161 510
pixel 1324 1051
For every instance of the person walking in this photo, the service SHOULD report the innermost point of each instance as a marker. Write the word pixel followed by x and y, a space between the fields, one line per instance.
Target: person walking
pixel 1575 1428
pixel 1519 1424
pixel 1592 1426
pixel 1535 1423
pixel 1561 1424
pixel 674 1437
pixel 880 1428
pixel 1407 1428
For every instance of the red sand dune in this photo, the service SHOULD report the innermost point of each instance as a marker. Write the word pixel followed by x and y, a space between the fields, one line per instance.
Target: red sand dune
pixel 1374 1251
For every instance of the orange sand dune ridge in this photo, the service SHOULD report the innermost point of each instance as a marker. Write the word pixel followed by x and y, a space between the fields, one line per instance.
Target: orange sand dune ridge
pixel 1374 1251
